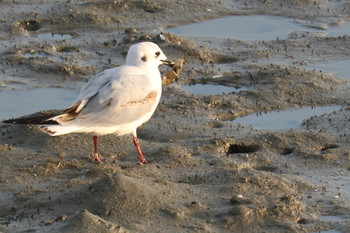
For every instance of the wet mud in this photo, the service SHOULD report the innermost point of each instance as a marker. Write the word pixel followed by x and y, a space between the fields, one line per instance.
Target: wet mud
pixel 206 173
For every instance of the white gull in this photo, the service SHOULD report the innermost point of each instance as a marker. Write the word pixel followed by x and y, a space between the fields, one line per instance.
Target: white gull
pixel 116 101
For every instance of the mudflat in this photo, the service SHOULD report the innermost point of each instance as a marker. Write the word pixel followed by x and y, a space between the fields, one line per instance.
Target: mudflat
pixel 206 173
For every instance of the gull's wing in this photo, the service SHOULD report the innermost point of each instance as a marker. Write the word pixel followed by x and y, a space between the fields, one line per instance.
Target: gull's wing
pixel 95 85
pixel 116 96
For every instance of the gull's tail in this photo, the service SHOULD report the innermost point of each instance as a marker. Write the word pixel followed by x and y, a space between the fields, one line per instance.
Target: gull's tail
pixel 57 130
pixel 49 121
pixel 40 118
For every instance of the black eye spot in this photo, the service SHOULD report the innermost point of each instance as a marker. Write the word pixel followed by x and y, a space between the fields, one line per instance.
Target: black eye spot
pixel 144 58
pixel 157 54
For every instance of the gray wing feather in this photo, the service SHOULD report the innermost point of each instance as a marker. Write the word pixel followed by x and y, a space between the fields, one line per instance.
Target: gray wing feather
pixel 94 86
pixel 115 97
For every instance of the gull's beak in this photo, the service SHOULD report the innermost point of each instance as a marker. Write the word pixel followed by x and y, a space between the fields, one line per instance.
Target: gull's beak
pixel 168 62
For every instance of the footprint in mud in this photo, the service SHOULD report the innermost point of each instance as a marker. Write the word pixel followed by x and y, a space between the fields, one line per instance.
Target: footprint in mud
pixel 30 25
pixel 287 151
pixel 330 146
pixel 242 148
pixel 25 26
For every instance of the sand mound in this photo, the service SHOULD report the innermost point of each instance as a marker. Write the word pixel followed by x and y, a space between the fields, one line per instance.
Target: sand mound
pixel 84 221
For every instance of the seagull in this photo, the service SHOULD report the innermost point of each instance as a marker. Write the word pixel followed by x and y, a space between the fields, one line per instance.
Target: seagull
pixel 116 101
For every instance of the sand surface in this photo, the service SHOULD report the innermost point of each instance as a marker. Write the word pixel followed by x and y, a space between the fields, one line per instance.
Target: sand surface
pixel 205 172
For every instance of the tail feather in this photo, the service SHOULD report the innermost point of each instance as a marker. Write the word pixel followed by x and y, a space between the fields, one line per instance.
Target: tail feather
pixel 45 117
pixel 31 121
pixel 50 121
pixel 56 130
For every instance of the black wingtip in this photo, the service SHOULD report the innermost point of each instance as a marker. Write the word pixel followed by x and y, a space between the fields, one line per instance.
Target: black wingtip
pixel 9 121
pixel 30 121
pixel 34 119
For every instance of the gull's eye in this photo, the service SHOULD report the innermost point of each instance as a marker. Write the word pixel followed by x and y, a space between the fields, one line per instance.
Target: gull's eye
pixel 157 54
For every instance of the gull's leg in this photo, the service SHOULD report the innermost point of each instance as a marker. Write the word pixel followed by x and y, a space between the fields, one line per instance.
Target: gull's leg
pixel 96 156
pixel 136 142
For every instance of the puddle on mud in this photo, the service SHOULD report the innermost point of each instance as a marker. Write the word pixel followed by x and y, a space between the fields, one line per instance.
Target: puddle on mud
pixel 337 68
pixel 252 27
pixel 332 218
pixel 340 68
pixel 21 102
pixel 347 187
pixel 330 231
pixel 210 89
pixel 54 36
pixel 285 119
pixel 13 82
pixel 37 55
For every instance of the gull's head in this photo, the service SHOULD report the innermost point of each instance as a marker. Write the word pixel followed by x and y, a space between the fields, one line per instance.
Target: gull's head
pixel 146 53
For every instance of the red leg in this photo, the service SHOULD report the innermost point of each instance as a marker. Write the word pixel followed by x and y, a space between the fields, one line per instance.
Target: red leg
pixel 142 158
pixel 96 156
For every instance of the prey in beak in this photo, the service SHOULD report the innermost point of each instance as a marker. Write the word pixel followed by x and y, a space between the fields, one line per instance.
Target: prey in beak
pixel 173 74
pixel 168 62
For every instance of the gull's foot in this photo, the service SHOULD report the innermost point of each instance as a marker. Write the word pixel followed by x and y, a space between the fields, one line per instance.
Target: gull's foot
pixel 97 158
pixel 143 161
